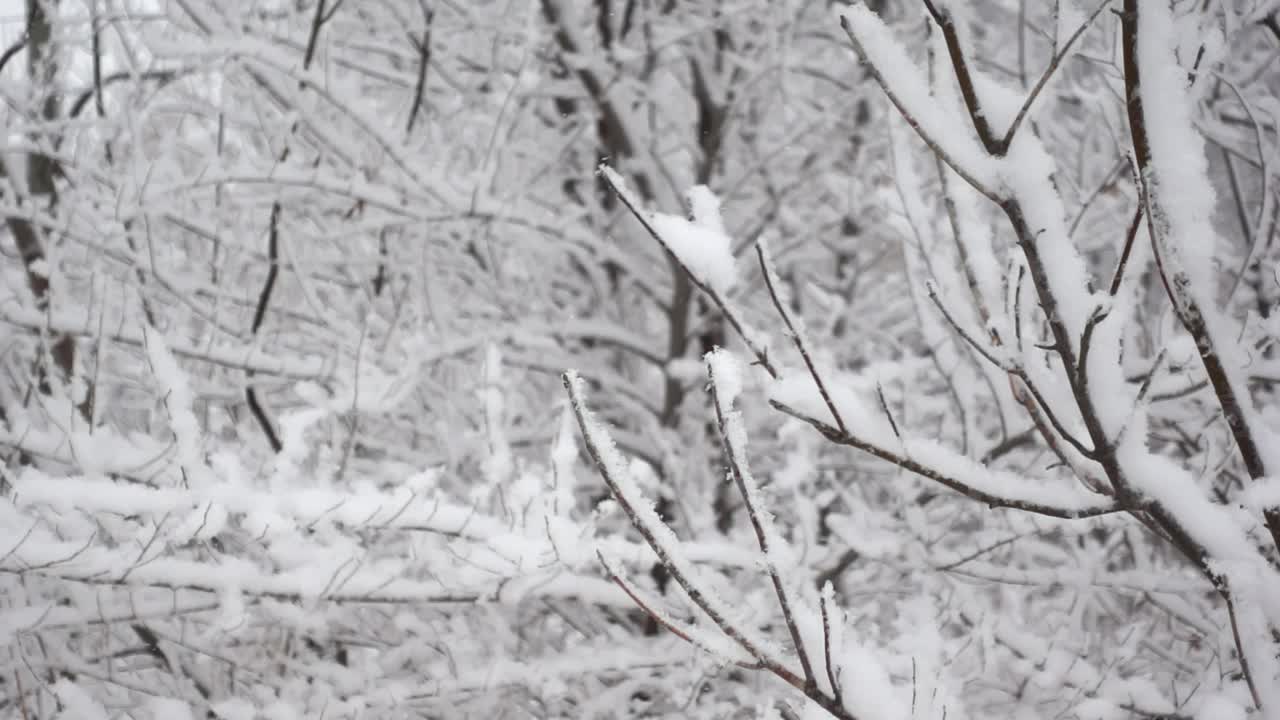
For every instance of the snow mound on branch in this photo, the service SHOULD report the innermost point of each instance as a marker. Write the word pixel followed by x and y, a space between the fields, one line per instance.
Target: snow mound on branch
pixel 701 245
pixel 851 395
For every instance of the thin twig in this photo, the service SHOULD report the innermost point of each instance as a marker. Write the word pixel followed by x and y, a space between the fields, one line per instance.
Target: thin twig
pixel 1244 661
pixel 981 349
pixel 771 284
pixel 940 477
pixel 691 588
pixel 1058 57
pixel 642 216
pixel 884 405
pixel 1130 234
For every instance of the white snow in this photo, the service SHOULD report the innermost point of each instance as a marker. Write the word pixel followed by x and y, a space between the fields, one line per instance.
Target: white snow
pixel 163 708
pixel 663 541
pixel 851 396
pixel 427 542
pixel 868 425
pixel 77 704
pixel 704 250
pixel 704 206
pixel 700 245
pixel 178 401
pixel 908 88
pixel 1183 198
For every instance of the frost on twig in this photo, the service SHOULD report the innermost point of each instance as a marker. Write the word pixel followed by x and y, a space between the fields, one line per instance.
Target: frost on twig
pixel 726 383
pixel 664 543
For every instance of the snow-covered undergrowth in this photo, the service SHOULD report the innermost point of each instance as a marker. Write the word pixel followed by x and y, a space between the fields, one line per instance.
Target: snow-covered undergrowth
pixel 923 360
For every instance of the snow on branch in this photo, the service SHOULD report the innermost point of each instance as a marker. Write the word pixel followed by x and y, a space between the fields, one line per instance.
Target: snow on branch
pixel 242 357
pixel 701 249
pixel 701 245
pixel 644 518
pixel 842 678
pixel 718 645
pixel 869 430
pixel 1174 165
pixel 907 88
pixel 1136 693
pixel 726 383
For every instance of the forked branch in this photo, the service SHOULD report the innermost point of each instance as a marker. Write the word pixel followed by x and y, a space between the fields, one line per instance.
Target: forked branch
pixel 662 541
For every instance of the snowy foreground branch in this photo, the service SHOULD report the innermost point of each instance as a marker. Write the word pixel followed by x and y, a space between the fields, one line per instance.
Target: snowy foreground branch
pixel 1086 327
pixel 834 672
pixel 1026 317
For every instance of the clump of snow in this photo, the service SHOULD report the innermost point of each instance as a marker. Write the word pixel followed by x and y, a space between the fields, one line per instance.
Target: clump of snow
pixel 1113 397
pixel 1000 103
pixel 726 372
pixel 1099 709
pixel 234 709
pixel 868 691
pixel 704 208
pixel 705 251
pixel 280 710
pixel 701 245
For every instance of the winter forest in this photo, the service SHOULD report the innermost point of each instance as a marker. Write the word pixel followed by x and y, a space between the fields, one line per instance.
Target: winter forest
pixel 709 359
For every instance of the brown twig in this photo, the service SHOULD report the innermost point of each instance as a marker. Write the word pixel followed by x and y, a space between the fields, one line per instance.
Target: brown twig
pixel 1123 263
pixel 1054 64
pixel 771 284
pixel 826 651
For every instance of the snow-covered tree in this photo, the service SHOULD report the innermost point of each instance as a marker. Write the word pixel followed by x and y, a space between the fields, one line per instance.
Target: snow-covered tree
pixel 947 388
pixel 293 286
pixel 1074 472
